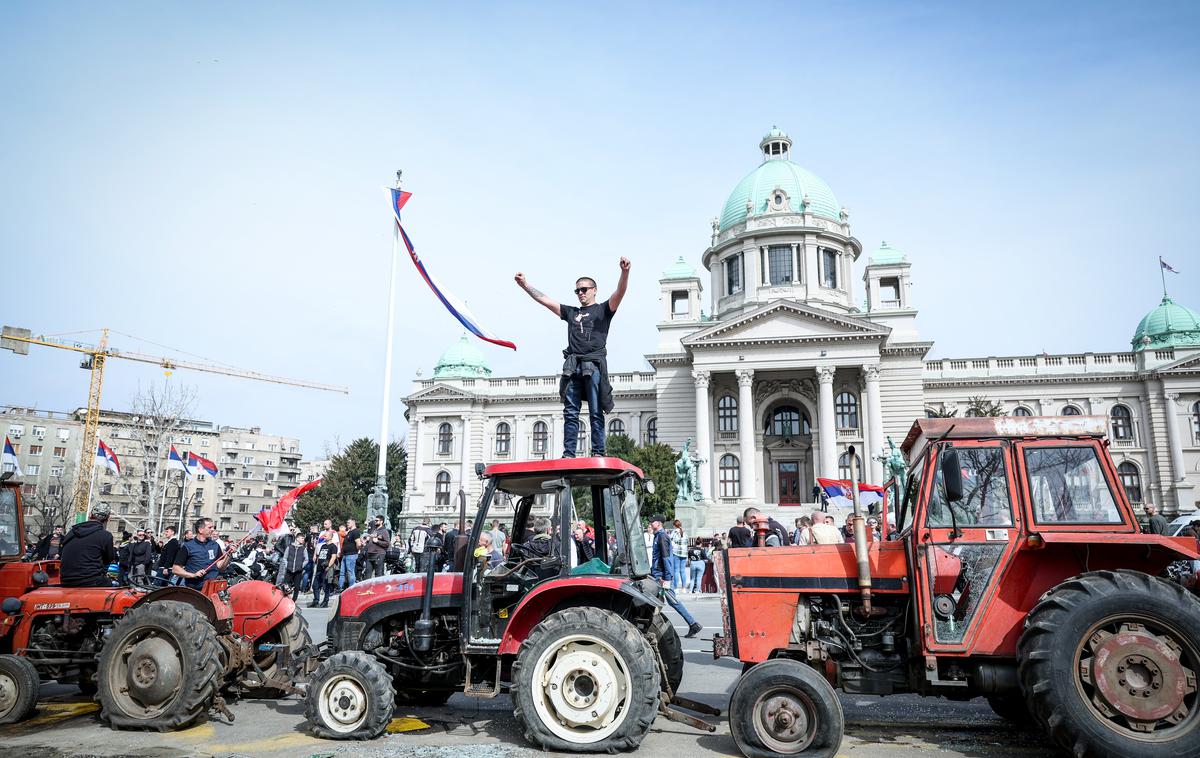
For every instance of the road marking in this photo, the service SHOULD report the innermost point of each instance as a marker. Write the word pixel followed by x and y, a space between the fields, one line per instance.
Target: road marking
pixel 272 743
pixel 52 712
pixel 201 733
pixel 397 726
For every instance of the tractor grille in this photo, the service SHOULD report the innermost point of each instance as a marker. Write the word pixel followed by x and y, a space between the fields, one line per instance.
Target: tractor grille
pixel 345 635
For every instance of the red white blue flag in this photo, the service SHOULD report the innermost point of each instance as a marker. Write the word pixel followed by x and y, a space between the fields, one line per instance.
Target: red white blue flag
pixel 457 308
pixel 198 464
pixel 839 493
pixel 107 458
pixel 175 462
pixel 10 457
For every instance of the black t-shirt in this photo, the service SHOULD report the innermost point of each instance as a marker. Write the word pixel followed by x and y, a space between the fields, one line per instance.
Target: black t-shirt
pixel 587 328
pixel 326 552
pixel 740 536
pixel 348 546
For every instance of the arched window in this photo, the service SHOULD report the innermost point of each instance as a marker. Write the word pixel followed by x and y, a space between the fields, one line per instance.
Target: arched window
pixel 445 439
pixel 616 426
pixel 503 438
pixel 788 421
pixel 730 472
pixel 441 489
pixel 652 431
pixel 845 408
pixel 1196 420
pixel 1070 410
pixel 844 466
pixel 541 437
pixel 727 414
pixel 1131 480
pixel 582 440
pixel 1122 423
pixel 1021 410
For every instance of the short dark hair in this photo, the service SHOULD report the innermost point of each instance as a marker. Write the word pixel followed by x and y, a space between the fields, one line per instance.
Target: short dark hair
pixel 591 282
pixel 199 523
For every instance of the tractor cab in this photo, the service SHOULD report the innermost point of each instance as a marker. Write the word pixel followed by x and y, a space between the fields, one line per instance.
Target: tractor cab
pixel 11 531
pixel 570 518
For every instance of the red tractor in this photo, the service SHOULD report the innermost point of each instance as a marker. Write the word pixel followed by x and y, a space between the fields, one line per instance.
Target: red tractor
pixel 156 658
pixel 580 644
pixel 1013 568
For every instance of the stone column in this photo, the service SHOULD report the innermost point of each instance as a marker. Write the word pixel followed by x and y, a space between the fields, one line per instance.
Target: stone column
pixel 796 262
pixel 465 472
pixel 635 427
pixel 414 454
pixel 520 440
pixel 1173 442
pixel 825 424
pixel 864 427
pixel 871 375
pixel 704 447
pixel 749 470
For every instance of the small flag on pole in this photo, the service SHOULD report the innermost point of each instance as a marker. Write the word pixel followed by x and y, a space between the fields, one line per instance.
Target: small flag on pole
pixel 107 458
pixel 174 461
pixel 198 464
pixel 10 457
pixel 1166 266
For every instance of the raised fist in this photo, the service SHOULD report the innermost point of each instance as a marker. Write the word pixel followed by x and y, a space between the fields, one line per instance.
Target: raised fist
pixel 520 280
pixel 624 264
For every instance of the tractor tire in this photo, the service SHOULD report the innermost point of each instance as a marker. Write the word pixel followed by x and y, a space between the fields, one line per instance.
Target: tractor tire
pixel 813 724
pixel 19 682
pixel 159 669
pixel 1108 663
pixel 671 649
pixel 294 634
pixel 585 680
pixel 350 697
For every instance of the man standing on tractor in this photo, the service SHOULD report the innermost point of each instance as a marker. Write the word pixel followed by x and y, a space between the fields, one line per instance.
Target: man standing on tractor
pixel 585 369
pixel 200 559
pixel 87 550
pixel 662 568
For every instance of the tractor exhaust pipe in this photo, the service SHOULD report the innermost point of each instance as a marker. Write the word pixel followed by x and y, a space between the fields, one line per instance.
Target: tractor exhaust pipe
pixel 422 641
pixel 860 538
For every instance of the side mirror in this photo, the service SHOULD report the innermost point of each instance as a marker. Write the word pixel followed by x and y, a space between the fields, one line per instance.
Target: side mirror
pixel 951 474
pixel 649 486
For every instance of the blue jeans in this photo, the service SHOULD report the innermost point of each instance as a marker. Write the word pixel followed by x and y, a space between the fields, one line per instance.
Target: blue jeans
pixel 348 565
pixel 679 572
pixel 678 606
pixel 308 572
pixel 319 586
pixel 579 387
pixel 696 570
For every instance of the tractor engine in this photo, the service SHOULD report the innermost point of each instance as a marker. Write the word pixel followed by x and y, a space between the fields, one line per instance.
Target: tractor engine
pixel 59 644
pixel 392 642
pixel 865 654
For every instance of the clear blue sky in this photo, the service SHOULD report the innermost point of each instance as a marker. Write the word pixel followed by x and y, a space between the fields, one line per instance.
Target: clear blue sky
pixel 207 176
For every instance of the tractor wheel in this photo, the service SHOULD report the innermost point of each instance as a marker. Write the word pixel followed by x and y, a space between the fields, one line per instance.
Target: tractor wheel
pixel 1011 708
pixel 1108 662
pixel 294 634
pixel 159 668
pixel 671 650
pixel 350 697
pixel 19 682
pixel 585 680
pixel 421 698
pixel 783 707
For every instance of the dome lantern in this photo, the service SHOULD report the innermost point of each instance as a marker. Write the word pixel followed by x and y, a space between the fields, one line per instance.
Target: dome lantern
pixel 776 145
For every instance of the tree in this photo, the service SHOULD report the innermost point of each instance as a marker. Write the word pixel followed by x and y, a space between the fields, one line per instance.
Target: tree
pixel 981 406
pixel 155 419
pixel 657 462
pixel 345 486
pixel 53 506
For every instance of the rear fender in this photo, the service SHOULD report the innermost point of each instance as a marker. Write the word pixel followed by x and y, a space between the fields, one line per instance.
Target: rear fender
pixel 180 594
pixel 549 595
pixel 258 607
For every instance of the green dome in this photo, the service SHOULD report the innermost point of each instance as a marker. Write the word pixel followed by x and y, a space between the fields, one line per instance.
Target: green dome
pixel 462 361
pixel 886 255
pixel 777 171
pixel 1168 325
pixel 679 270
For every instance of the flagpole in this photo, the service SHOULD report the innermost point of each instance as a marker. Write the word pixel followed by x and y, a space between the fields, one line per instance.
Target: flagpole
pixel 1163 273
pixel 379 492
pixel 182 488
pixel 91 486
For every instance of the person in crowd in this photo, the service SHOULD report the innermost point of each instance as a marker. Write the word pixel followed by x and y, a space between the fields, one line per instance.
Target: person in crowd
pixel 376 550
pixel 200 559
pixel 166 556
pixel 323 568
pixel 417 540
pixel 585 547
pixel 498 535
pixel 660 568
pixel 446 557
pixel 678 555
pixel 1155 523
pixel 740 535
pixel 123 558
pixel 141 558
pixel 824 532
pixel 291 568
pixel 777 536
pixel 539 544
pixel 350 547
pixel 697 560
pixel 49 545
pixel 486 549
pixel 803 532
pixel 87 549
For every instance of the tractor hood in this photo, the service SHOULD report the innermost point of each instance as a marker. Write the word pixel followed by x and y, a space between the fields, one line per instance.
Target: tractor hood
pixel 355 601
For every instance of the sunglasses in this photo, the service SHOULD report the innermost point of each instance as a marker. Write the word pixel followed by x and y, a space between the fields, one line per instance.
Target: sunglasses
pixel 581 290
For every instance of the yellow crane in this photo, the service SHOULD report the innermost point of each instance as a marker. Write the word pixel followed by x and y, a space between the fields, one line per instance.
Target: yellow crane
pixel 18 340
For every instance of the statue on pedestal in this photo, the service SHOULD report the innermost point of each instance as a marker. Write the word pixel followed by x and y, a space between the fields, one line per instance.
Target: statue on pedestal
pixel 687 477
pixel 896 469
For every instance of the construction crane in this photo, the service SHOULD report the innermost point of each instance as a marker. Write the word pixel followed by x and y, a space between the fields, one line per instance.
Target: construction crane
pixel 18 340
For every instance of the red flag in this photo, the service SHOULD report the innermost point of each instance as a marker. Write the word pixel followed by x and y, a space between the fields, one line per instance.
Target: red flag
pixel 272 521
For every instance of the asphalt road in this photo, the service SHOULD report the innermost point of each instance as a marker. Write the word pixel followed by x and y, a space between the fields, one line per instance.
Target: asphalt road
pixel 67 724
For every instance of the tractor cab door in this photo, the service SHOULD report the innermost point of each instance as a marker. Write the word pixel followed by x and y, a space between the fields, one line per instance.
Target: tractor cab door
pixel 961 547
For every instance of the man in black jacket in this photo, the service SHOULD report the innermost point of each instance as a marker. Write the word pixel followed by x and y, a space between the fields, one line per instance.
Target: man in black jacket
pixel 776 537
pixel 141 557
pixel 166 556
pixel 87 550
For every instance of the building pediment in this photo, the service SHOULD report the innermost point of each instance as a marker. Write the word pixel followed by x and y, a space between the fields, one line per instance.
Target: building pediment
pixel 439 392
pixel 787 321
pixel 1189 365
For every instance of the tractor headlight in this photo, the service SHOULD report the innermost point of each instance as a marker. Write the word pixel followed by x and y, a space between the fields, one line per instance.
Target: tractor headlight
pixel 333 609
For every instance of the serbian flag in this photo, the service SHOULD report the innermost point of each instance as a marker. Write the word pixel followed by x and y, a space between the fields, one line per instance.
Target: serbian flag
pixel 870 496
pixel 457 308
pixel 175 462
pixel 198 464
pixel 274 521
pixel 10 457
pixel 838 492
pixel 107 458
